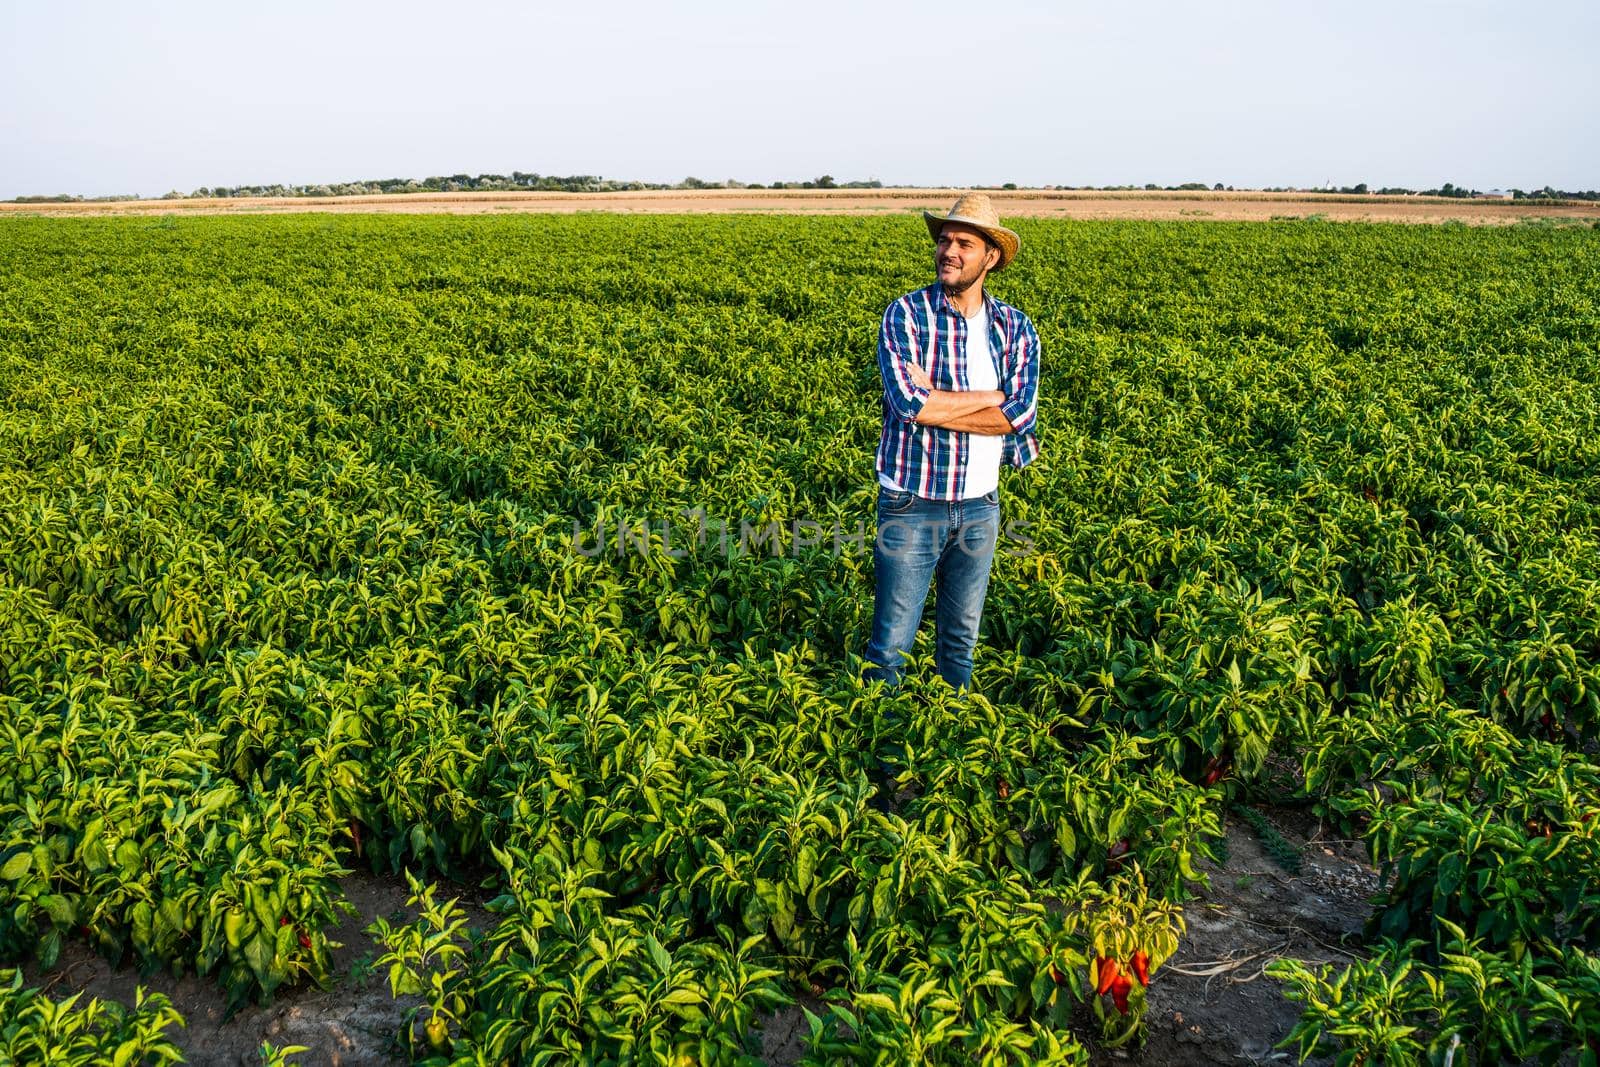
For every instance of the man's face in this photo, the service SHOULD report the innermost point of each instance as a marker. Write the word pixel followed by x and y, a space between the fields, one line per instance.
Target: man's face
pixel 962 257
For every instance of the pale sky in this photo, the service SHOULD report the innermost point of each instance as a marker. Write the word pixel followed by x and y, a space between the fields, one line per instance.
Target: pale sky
pixel 134 97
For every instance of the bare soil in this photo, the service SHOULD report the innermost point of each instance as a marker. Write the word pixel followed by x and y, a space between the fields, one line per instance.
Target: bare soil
pixel 1022 203
pixel 354 1024
pixel 1210 1004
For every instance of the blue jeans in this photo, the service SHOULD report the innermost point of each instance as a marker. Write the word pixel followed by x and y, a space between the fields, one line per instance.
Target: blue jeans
pixel 917 539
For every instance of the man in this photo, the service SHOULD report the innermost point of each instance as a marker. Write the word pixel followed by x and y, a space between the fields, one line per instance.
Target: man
pixel 960 372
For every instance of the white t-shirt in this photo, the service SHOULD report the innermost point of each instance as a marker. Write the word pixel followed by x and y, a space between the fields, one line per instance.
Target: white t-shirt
pixel 983 450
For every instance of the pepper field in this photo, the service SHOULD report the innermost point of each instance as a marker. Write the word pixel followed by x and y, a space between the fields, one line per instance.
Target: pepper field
pixel 531 554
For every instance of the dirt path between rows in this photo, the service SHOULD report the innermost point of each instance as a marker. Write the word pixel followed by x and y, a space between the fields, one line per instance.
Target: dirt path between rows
pixel 1222 1011
pixel 1212 1003
pixel 1023 203
pixel 353 1024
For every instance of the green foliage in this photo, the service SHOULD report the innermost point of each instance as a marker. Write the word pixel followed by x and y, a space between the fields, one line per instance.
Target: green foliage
pixel 1398 1006
pixel 1471 824
pixel 35 1029
pixel 271 1055
pixel 290 586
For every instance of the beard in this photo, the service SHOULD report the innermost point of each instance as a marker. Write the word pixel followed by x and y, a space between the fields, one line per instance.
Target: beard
pixel 968 277
pixel 966 280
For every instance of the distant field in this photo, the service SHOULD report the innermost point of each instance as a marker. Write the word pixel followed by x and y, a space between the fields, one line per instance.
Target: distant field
pixel 1221 206
pixel 302 574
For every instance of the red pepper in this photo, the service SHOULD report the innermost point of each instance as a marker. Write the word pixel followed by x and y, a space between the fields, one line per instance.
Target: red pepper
pixel 1056 976
pixel 1108 974
pixel 283 920
pixel 1003 787
pixel 1215 768
pixel 1119 993
pixel 305 941
pixel 1141 967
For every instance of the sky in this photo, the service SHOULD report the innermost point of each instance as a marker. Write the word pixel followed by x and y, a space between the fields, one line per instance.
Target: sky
pixel 140 97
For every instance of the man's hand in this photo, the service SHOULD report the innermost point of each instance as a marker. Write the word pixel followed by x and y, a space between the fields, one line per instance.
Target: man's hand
pixel 918 376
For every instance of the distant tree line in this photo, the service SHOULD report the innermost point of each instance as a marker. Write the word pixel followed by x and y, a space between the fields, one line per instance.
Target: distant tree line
pixel 589 183
pixel 827 181
pixel 71 198
pixel 1462 192
pixel 1548 193
pixel 1149 187
pixel 443 183
pixel 1448 189
pixel 516 181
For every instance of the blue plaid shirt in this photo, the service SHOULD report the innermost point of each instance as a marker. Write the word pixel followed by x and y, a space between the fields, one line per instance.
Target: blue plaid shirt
pixel 926 329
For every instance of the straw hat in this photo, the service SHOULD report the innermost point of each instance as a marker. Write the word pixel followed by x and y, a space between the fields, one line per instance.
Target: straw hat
pixel 976 211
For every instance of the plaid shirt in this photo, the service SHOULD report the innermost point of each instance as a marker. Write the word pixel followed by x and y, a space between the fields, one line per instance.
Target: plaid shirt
pixel 925 328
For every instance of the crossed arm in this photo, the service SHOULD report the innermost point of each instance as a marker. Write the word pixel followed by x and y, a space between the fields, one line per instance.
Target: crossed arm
pixel 975 411
pixel 909 391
